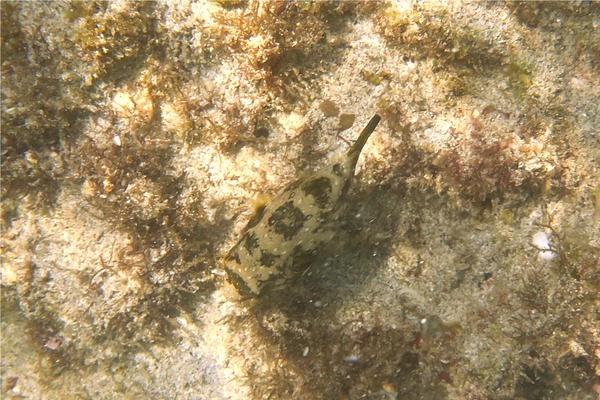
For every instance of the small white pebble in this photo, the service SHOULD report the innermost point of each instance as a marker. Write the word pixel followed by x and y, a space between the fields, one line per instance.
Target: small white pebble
pixel 547 255
pixel 117 140
pixel 305 351
pixel 542 242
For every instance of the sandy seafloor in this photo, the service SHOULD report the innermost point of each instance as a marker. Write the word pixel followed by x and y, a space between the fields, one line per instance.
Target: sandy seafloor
pixel 137 137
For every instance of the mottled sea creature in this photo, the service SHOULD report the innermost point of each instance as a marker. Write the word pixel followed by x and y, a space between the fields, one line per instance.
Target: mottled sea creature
pixel 282 238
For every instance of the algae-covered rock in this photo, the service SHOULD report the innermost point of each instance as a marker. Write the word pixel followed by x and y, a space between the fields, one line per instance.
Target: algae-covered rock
pixel 136 137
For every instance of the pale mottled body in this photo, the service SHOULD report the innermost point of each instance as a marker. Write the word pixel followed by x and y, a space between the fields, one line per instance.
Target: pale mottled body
pixel 281 240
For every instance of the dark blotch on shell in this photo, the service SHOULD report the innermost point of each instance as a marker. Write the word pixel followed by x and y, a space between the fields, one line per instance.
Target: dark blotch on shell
pixel 250 241
pixel 291 188
pixel 239 283
pixel 233 255
pixel 338 170
pixel 287 220
pixel 267 259
pixel 320 189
